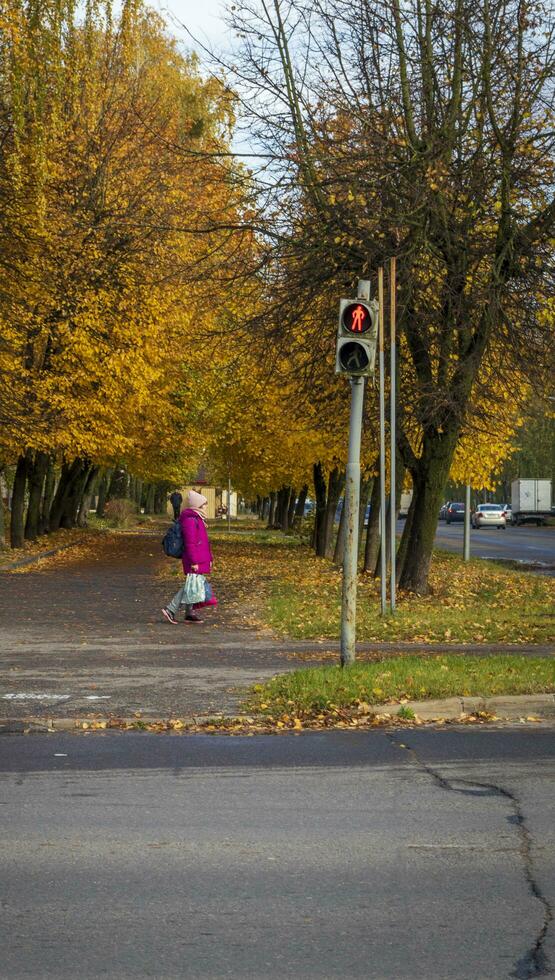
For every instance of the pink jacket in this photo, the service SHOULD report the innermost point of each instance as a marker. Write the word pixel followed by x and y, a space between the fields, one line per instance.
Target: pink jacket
pixel 196 546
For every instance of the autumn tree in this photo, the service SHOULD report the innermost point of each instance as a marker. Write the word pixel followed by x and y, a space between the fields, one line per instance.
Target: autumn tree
pixel 107 187
pixel 425 132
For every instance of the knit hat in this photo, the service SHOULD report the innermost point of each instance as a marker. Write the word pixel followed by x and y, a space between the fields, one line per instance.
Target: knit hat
pixel 195 500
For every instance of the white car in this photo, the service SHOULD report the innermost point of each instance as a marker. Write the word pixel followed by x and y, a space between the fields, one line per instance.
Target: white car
pixel 489 515
pixel 508 512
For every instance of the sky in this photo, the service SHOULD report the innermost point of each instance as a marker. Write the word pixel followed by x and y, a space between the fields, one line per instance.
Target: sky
pixel 204 18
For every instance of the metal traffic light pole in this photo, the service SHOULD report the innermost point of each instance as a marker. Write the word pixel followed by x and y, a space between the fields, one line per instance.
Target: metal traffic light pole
pixel 352 503
pixel 383 516
pixel 393 429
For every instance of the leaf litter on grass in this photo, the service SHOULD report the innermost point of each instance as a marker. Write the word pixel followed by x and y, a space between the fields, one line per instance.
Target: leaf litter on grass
pixel 278 583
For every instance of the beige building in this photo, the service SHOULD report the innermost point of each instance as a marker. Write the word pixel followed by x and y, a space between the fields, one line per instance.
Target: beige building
pixel 216 497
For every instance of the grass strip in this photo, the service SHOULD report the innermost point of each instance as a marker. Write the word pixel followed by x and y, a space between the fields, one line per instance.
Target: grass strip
pixel 314 689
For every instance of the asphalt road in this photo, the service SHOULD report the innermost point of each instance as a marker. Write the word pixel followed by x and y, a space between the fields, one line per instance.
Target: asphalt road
pixel 421 854
pixel 523 544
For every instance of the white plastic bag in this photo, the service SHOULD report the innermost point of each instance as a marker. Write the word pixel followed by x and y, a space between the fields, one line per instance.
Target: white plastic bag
pixel 195 590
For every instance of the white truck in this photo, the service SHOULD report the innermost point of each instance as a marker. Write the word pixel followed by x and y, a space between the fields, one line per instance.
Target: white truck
pixel 531 501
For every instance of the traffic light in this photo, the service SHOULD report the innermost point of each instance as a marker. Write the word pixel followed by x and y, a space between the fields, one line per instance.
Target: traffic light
pixel 357 336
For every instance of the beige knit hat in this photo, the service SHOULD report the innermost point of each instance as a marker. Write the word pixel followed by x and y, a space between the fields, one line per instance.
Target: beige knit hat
pixel 195 500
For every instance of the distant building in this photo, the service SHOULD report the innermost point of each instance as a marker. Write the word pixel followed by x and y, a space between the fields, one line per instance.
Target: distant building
pixel 216 497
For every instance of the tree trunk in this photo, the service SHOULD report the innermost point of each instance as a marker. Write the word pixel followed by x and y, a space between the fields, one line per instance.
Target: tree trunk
pixel 47 496
pixel 372 545
pixel 299 506
pixel 102 493
pixel 75 496
pixel 63 498
pixel 365 491
pixel 285 505
pixel 282 510
pixel 18 503
pixel 336 484
pixel 291 508
pixel 429 477
pixel 278 515
pixel 36 473
pixel 149 499
pixel 160 498
pixel 399 480
pixel 340 540
pixel 118 483
pixel 272 509
pixel 86 498
pixel 319 538
pixel 2 513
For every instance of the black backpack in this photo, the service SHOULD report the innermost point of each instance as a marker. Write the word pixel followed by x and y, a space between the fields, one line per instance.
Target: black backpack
pixel 172 542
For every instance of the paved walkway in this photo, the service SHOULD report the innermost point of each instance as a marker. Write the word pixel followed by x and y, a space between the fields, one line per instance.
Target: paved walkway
pixel 85 634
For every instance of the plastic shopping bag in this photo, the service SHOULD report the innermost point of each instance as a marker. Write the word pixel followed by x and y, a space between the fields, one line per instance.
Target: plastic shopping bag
pixel 209 597
pixel 195 589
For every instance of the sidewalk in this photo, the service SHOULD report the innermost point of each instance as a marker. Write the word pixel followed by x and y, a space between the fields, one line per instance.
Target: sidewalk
pixel 84 634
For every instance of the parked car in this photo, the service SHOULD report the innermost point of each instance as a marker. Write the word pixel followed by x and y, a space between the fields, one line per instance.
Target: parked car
pixel 443 511
pixel 488 515
pixel 508 512
pixel 454 512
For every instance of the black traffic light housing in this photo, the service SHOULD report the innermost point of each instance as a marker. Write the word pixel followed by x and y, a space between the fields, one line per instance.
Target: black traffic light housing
pixel 357 336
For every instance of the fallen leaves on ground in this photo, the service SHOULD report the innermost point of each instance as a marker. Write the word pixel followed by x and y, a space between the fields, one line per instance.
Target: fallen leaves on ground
pixel 358 719
pixel 76 545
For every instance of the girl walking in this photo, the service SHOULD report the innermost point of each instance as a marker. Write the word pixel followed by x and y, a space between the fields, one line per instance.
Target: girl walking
pixel 197 554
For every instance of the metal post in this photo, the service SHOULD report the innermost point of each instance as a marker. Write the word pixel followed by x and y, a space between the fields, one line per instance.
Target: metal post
pixel 352 503
pixel 383 556
pixel 466 536
pixel 392 428
pixel 229 502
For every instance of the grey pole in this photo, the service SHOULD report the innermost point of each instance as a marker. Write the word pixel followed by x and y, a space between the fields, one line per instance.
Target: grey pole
pixel 383 520
pixel 229 500
pixel 392 427
pixel 466 536
pixel 352 503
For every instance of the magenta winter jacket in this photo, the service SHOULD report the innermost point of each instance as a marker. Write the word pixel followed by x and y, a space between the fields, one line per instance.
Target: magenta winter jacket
pixel 196 547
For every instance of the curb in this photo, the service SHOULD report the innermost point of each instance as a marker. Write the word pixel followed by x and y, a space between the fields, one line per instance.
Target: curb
pixel 44 554
pixel 517 707
pixel 509 707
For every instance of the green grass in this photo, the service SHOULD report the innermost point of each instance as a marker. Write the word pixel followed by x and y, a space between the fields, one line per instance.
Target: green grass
pixel 304 692
pixel 284 586
pixel 473 602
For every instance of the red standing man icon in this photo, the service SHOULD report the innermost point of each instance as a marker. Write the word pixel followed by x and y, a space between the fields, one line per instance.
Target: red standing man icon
pixel 357 322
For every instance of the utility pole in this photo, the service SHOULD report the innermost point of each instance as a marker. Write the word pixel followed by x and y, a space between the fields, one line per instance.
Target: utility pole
pixel 383 519
pixel 466 535
pixel 393 427
pixel 352 504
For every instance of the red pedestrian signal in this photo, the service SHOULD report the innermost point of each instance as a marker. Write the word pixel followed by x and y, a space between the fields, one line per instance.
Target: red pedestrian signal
pixel 357 335
pixel 356 318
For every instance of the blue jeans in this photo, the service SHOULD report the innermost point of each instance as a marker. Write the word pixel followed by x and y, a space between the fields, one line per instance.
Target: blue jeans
pixel 177 601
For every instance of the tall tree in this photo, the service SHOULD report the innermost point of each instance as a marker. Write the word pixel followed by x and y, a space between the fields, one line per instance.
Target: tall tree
pixel 423 131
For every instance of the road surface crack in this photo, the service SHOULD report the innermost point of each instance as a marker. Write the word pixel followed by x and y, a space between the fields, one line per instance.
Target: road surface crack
pixel 534 963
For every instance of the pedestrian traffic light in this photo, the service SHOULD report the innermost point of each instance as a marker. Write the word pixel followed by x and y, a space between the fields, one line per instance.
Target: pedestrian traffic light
pixel 357 336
